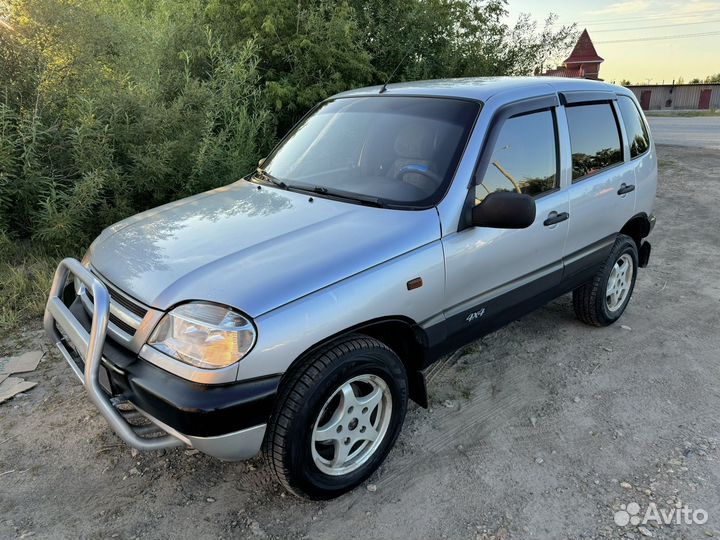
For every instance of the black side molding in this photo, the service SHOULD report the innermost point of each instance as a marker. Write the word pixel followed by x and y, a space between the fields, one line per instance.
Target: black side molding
pixel 588 257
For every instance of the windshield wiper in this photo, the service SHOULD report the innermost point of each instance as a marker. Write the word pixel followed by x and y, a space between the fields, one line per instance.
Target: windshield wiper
pixel 347 195
pixel 267 177
pixel 321 190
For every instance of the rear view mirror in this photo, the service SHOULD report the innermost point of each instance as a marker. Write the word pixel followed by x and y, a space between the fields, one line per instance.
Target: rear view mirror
pixel 261 162
pixel 504 210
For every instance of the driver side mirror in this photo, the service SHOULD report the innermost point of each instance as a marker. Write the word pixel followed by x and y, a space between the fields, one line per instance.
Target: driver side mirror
pixel 504 210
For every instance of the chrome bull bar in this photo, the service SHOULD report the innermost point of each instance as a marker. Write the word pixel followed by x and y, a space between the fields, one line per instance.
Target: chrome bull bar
pixel 89 346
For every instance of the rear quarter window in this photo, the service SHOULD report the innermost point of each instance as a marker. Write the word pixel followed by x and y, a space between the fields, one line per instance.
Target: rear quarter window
pixel 637 132
pixel 594 138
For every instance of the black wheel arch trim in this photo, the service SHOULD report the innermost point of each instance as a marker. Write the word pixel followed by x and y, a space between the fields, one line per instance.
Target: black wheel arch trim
pixel 647 220
pixel 416 341
pixel 639 227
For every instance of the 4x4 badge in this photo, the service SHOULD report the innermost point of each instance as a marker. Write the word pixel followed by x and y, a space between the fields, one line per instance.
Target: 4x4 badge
pixel 475 315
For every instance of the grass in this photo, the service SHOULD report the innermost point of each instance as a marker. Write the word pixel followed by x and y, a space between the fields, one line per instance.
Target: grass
pixel 25 277
pixel 674 114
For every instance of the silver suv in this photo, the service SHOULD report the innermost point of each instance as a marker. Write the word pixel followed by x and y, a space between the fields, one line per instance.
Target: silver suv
pixel 296 310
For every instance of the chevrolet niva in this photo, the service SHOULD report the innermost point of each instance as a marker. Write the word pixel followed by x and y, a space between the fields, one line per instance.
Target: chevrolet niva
pixel 295 311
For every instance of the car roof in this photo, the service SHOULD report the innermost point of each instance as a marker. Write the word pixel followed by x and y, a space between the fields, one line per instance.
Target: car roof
pixel 482 88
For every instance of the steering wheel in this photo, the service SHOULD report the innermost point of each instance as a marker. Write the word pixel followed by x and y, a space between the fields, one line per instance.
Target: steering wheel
pixel 416 168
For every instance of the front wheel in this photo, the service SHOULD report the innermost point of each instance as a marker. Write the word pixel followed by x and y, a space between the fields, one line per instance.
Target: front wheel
pixel 602 300
pixel 338 415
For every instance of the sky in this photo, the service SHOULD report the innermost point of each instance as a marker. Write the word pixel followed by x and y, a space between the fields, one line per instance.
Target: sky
pixel 663 58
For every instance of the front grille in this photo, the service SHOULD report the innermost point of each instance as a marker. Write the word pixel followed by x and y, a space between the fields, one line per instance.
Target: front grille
pixel 122 325
pixel 125 314
pixel 128 304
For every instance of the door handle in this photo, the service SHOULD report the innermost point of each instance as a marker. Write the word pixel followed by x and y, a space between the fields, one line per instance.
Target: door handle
pixel 554 218
pixel 625 188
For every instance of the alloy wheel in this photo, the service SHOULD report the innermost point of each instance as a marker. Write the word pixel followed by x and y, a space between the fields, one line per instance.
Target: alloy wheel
pixel 619 282
pixel 351 425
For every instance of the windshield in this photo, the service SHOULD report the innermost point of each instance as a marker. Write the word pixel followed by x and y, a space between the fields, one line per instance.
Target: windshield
pixel 400 151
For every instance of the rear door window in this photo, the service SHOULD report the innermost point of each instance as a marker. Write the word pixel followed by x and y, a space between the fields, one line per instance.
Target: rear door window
pixel 637 132
pixel 594 138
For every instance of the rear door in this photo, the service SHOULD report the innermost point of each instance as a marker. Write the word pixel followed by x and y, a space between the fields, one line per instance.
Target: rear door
pixel 639 147
pixel 490 271
pixel 602 193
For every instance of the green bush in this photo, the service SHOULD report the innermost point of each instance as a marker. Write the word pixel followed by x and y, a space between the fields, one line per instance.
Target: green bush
pixel 111 107
pixel 107 133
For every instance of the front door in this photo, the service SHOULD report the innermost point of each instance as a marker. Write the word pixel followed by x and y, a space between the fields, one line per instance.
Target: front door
pixel 491 271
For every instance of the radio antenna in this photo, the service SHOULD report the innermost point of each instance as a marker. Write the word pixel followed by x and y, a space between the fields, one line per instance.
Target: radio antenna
pixel 400 63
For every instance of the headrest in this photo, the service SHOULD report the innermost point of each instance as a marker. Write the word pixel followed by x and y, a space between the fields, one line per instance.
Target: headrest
pixel 414 141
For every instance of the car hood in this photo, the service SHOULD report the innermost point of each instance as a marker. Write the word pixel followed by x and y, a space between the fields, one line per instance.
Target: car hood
pixel 252 248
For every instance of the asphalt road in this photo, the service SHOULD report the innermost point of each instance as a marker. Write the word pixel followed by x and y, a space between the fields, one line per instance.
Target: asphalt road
pixel 696 131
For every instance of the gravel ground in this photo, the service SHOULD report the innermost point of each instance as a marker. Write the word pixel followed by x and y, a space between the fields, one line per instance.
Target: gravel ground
pixel 541 430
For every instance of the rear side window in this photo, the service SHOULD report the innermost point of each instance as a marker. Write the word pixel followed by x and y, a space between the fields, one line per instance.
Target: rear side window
pixel 594 138
pixel 524 157
pixel 637 133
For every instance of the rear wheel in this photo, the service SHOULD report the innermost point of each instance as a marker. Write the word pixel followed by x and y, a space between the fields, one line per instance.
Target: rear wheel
pixel 603 299
pixel 338 415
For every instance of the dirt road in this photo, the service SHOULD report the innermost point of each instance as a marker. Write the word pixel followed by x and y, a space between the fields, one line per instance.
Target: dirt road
pixel 541 430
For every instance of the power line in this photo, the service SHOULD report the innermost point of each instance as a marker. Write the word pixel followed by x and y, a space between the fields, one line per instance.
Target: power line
pixel 651 17
pixel 660 38
pixel 656 26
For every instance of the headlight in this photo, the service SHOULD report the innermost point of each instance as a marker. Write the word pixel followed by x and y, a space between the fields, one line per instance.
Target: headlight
pixel 204 335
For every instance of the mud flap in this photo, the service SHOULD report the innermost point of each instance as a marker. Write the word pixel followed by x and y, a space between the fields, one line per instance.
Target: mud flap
pixel 644 254
pixel 418 388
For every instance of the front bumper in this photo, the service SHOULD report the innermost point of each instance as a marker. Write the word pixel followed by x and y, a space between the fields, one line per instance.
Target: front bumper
pixel 226 421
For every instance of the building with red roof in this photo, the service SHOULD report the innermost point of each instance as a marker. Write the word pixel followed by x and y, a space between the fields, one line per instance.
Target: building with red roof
pixel 583 62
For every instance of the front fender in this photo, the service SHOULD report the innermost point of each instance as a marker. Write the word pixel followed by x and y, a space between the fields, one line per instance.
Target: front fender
pixel 285 333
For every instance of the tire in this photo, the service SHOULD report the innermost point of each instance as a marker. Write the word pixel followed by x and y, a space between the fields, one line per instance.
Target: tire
pixel 591 301
pixel 312 404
